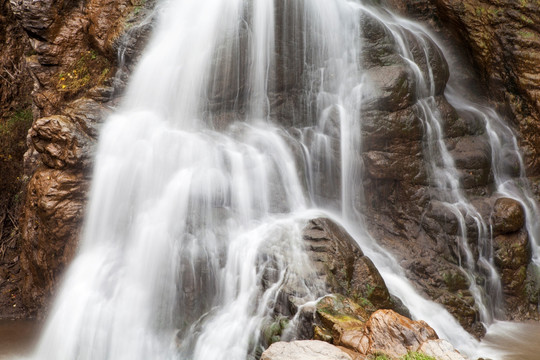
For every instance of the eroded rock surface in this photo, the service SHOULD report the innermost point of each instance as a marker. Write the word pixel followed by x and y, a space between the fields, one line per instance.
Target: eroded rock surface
pixel 364 332
pixel 72 56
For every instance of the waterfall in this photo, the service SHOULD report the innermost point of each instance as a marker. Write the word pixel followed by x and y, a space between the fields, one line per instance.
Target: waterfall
pixel 206 175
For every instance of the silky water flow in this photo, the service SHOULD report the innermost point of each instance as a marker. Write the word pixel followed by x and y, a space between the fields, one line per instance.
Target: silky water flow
pixel 198 192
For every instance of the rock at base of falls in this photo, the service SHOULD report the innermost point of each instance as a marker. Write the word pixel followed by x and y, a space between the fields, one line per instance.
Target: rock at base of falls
pixel 345 323
pixel 385 333
pixel 441 350
pixel 342 264
pixel 304 350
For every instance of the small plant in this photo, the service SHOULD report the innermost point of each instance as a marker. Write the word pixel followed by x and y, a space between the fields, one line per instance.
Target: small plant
pixel 90 69
pixel 417 356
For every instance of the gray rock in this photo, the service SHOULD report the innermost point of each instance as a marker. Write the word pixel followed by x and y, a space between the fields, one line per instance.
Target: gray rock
pixel 304 350
pixel 441 350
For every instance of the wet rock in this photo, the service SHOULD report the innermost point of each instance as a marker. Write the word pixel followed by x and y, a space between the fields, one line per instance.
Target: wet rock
pixel 392 88
pixel 304 350
pixel 394 166
pixel 505 46
pixel 71 54
pixel 507 216
pixel 379 45
pixel 343 265
pixel 512 255
pixel 381 129
pixel 338 316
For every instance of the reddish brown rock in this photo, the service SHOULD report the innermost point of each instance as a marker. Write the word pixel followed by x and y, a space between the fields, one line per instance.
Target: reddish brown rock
pixel 357 328
pixel 54 208
pixel 71 58
pixel 389 333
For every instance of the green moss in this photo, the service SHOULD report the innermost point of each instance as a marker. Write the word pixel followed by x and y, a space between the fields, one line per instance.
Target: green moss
pixel 13 131
pixel 21 118
pixel 526 34
pixel 417 356
pixel 273 330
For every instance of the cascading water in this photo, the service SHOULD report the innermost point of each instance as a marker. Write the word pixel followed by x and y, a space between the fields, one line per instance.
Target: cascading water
pixel 197 192
pixel 445 177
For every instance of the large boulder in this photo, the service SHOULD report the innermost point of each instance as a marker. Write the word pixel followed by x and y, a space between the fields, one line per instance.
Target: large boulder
pixel 342 264
pixel 304 350
pixel 507 216
pixel 339 267
pixel 360 331
pixel 441 350
pixel 389 333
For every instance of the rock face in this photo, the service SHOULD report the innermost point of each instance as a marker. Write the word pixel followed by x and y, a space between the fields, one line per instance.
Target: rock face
pixel 401 204
pixel 341 269
pixel 505 45
pixel 390 333
pixel 71 57
pixel 15 119
pixel 304 350
pixel 360 332
pixel 400 192
pixel 342 265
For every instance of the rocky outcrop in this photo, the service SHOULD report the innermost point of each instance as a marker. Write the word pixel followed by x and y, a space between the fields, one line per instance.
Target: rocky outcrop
pixel 512 254
pixel 360 333
pixel 345 323
pixel 342 265
pixel 15 119
pixel 72 57
pixel 401 202
pixel 504 42
pixel 507 216
pixel 340 268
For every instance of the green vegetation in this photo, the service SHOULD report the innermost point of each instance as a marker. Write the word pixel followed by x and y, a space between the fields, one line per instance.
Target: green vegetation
pixel 13 131
pixel 380 357
pixel 272 331
pixel 409 356
pixel 417 356
pixel 89 70
pixel 12 147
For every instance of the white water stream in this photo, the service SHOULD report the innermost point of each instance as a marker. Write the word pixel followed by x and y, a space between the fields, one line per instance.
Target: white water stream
pixel 185 216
